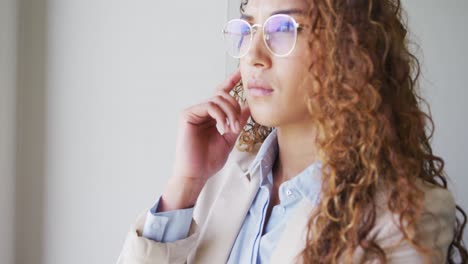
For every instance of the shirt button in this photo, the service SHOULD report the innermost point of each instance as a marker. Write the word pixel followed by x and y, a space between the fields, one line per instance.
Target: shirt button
pixel 288 192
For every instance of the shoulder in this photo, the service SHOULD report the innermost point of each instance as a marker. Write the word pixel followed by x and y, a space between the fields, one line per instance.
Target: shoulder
pixel 434 230
pixel 436 227
pixel 438 200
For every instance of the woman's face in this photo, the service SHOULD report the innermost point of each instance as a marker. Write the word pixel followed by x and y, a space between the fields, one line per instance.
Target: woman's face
pixel 287 76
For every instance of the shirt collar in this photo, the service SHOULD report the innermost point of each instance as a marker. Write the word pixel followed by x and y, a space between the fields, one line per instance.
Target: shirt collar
pixel 307 182
pixel 266 155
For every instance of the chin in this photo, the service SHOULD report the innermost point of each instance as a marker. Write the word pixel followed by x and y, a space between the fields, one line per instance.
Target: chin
pixel 265 119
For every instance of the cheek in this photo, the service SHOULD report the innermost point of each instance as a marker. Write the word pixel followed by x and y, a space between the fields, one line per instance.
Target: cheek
pixel 295 79
pixel 294 69
pixel 297 86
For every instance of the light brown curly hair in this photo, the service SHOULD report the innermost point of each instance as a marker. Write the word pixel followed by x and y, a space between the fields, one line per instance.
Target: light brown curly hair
pixel 365 78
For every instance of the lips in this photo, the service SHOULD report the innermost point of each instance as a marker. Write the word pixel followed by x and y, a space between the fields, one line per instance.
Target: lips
pixel 259 88
pixel 259 91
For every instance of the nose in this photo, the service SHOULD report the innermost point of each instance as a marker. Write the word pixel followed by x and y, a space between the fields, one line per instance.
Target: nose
pixel 258 54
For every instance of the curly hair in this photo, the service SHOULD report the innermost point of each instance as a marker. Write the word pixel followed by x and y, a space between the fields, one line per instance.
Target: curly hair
pixel 365 78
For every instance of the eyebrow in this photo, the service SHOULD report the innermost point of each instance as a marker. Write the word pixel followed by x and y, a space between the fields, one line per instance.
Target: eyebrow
pixel 285 12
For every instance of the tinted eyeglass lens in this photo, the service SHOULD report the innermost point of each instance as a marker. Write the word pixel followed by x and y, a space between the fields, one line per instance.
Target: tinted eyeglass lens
pixel 279 31
pixel 237 37
pixel 280 34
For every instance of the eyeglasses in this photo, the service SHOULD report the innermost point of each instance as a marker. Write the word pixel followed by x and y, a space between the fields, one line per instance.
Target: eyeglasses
pixel 279 35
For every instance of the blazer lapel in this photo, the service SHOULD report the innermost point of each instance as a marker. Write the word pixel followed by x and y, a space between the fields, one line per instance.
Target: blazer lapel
pixel 228 211
pixel 230 208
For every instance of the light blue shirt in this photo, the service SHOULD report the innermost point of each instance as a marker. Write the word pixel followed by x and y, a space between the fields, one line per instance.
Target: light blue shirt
pixel 253 244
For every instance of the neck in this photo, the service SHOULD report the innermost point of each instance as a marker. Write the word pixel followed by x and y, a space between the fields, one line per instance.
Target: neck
pixel 296 150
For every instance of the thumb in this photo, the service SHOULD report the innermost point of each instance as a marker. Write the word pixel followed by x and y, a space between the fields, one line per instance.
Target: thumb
pixel 244 117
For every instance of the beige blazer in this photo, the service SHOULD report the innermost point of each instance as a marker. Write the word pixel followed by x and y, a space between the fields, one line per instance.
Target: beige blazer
pixel 225 200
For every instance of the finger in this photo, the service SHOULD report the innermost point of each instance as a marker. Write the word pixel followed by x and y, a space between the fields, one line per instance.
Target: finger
pixel 216 112
pixel 245 114
pixel 203 113
pixel 229 111
pixel 233 101
pixel 242 120
pixel 230 82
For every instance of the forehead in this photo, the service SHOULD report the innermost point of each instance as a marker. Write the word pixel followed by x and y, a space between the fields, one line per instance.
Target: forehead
pixel 260 10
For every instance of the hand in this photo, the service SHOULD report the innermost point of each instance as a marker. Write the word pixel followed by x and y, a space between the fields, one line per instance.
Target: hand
pixel 201 150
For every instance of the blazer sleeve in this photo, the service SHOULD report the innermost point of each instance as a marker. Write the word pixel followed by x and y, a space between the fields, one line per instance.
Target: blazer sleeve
pixel 434 231
pixel 140 250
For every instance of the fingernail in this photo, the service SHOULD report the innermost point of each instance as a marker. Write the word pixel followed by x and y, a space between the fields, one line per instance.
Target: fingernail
pixel 220 129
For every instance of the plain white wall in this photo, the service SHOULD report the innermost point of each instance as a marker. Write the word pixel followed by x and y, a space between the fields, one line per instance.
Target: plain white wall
pixel 119 73
pixel 8 29
pixel 440 28
pixel 99 88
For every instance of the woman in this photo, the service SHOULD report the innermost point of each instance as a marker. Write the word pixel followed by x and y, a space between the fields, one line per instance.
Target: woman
pixel 334 164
